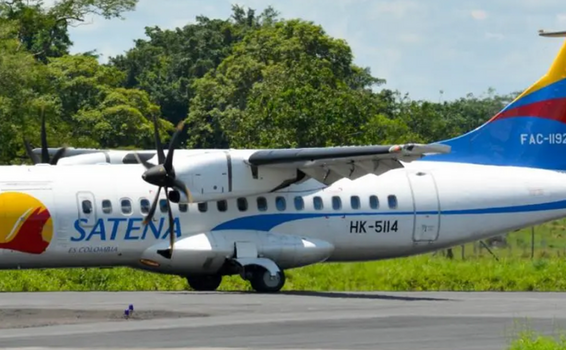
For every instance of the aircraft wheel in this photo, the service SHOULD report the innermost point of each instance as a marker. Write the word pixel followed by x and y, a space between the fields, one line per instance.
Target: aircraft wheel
pixel 263 282
pixel 205 283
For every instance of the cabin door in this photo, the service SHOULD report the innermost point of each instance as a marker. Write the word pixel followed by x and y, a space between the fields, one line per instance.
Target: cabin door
pixel 87 208
pixel 426 206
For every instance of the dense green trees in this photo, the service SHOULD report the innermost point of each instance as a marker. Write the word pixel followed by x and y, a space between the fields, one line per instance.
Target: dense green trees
pixel 251 80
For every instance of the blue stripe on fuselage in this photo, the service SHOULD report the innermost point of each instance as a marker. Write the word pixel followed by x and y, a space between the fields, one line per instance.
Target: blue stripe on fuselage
pixel 266 222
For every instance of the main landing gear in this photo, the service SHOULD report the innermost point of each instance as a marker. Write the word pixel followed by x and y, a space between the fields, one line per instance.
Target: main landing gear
pixel 262 281
pixel 260 278
pixel 205 283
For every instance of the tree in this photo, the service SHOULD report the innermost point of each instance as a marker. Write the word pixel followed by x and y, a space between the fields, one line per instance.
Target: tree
pixel 44 32
pixel 93 108
pixel 167 64
pixel 286 84
pixel 22 82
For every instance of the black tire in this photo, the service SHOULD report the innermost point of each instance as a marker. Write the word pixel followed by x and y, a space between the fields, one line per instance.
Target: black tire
pixel 262 282
pixel 205 283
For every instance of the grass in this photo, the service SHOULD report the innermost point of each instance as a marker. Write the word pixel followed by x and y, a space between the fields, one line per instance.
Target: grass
pixel 420 273
pixel 472 269
pixel 534 341
pixel 528 339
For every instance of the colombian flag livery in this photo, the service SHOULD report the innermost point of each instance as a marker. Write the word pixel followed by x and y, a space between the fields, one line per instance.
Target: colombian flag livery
pixel 529 132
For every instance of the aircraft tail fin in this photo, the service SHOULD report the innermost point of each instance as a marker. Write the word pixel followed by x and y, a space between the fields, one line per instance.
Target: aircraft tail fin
pixel 529 132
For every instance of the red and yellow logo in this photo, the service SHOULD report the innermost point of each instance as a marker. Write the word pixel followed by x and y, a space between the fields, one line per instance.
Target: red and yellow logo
pixel 25 223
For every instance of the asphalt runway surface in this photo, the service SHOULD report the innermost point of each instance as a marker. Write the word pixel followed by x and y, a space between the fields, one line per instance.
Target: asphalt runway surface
pixel 292 320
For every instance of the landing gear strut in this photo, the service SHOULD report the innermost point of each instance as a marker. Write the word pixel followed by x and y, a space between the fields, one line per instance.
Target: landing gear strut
pixel 204 283
pixel 263 282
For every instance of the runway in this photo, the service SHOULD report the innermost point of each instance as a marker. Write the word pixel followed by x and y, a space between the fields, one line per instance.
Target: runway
pixel 229 320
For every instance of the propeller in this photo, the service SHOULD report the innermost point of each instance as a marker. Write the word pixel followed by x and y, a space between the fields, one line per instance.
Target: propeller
pixel 162 175
pixel 44 148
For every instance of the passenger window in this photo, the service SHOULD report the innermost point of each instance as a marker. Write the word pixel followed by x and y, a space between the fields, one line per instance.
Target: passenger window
pixel 126 206
pixel 222 205
pixel 373 202
pixel 242 204
pixel 163 205
pixel 144 206
pixel 106 206
pixel 261 204
pixel 202 207
pixel 336 203
pixel 392 200
pixel 183 207
pixel 299 203
pixel 317 202
pixel 280 203
pixel 355 202
pixel 87 206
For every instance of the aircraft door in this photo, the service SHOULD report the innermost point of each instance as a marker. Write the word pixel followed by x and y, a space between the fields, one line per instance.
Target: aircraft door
pixel 86 206
pixel 426 206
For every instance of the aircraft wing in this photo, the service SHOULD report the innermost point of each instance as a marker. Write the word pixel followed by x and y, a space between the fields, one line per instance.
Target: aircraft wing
pixel 330 164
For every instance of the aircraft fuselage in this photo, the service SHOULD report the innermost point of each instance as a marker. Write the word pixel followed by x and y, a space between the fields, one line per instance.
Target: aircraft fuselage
pixel 94 215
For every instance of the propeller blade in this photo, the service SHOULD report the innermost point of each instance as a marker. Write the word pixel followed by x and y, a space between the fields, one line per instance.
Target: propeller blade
pixel 153 207
pixel 168 253
pixel 168 165
pixel 44 151
pixel 163 175
pixel 160 154
pixel 143 162
pixel 171 227
pixel 34 157
pixel 59 154
pixel 179 185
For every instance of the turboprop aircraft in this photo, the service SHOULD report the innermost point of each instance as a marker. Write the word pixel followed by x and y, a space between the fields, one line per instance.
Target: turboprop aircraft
pixel 258 213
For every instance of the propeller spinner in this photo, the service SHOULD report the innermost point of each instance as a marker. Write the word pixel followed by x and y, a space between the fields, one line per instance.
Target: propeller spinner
pixel 162 175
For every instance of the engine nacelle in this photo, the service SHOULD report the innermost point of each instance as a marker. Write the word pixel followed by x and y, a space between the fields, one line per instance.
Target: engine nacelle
pixel 227 174
pixel 103 156
pixel 206 253
pixel 83 159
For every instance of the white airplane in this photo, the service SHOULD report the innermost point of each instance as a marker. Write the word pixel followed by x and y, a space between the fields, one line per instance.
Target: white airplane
pixel 257 213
